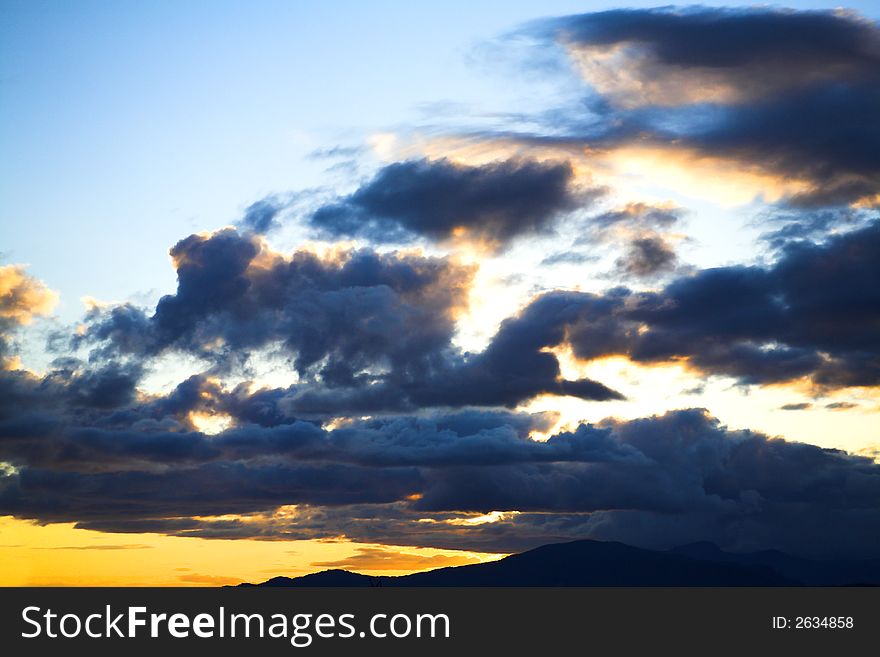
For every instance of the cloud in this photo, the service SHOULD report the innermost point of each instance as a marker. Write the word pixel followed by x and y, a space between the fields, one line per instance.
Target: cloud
pixel 568 258
pixel 365 331
pixel 800 406
pixel 644 234
pixel 81 451
pixel 476 437
pixel 208 489
pixel 369 558
pixel 369 332
pixel 393 434
pixel 647 257
pixel 787 95
pixel 652 481
pixel 807 317
pixel 22 298
pixel 260 217
pixel 490 205
pixel 825 136
pixel 343 313
pixel 639 217
pixel 516 365
pixel 812 225
pixel 841 406
pixel 671 56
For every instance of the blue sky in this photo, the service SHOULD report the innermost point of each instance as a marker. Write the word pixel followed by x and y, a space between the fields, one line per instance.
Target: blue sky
pixel 125 126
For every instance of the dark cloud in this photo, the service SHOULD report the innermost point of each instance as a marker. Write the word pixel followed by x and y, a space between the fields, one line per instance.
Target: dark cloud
pixel 806 317
pixel 824 135
pixel 342 314
pixel 568 258
pixel 756 51
pixel 423 481
pixel 209 489
pixel 691 464
pixel 514 367
pixel 647 256
pixel 81 445
pixel 260 217
pixel 110 386
pixel 640 217
pixel 799 406
pixel 491 204
pixel 364 331
pixel 841 406
pixel 55 422
pixel 805 225
pixel 642 232
pixel 793 94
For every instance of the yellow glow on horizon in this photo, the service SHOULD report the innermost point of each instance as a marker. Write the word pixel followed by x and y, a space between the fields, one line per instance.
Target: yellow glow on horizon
pixel 384 560
pixel 59 555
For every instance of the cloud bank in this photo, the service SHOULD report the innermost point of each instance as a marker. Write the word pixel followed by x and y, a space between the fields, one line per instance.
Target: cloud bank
pixel 390 432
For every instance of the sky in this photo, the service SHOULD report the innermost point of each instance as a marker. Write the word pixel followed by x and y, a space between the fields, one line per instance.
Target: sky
pixel 288 286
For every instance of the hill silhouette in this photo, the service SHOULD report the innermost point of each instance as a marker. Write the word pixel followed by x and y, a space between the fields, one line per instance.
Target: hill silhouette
pixel 597 563
pixel 811 572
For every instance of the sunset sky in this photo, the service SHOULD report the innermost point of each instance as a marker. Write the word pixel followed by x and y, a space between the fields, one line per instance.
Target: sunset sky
pixel 389 287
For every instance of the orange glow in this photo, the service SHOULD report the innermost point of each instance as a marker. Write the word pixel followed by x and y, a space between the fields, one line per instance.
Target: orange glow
pixel 629 169
pixel 22 297
pixel 59 555
pixel 631 78
pixel 209 423
pixel 725 182
pixel 400 560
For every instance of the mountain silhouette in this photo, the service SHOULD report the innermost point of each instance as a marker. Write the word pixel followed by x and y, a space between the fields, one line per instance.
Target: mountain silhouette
pixel 597 563
pixel 811 572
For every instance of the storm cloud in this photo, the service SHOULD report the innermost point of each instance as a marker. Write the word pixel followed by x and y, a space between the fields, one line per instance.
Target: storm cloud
pixel 341 314
pixel 807 316
pixel 647 256
pixel 491 204
pixel 675 56
pixel 422 480
pixel 790 93
pixel 364 331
